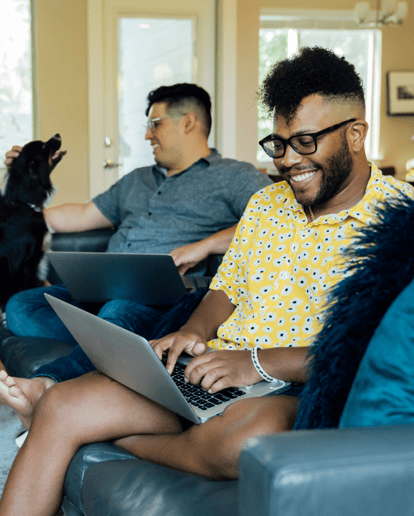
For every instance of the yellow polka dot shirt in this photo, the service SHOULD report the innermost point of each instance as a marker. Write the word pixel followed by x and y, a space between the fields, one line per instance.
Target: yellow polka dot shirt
pixel 279 265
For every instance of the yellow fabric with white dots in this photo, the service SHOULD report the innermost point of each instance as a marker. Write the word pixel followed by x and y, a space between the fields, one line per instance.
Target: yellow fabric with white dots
pixel 279 265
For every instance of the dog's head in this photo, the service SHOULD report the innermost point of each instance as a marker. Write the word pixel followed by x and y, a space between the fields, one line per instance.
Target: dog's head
pixel 28 177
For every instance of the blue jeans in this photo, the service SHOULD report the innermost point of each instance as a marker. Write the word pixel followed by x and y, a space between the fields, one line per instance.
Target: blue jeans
pixel 29 314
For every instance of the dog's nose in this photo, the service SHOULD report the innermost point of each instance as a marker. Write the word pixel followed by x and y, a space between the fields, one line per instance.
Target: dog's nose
pixel 57 136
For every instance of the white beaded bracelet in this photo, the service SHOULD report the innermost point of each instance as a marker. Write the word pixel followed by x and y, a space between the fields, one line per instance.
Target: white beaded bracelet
pixel 259 368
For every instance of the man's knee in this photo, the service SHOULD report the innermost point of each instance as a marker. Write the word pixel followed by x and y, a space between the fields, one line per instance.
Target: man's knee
pixel 16 302
pixel 62 410
pixel 114 307
pixel 131 316
pixel 23 309
pixel 54 406
pixel 20 305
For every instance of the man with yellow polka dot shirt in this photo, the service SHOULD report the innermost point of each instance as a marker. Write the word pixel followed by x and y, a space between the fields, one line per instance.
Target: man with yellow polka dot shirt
pixel 265 304
pixel 280 265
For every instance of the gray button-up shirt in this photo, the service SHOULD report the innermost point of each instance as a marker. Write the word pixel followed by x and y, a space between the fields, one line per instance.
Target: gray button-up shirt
pixel 155 213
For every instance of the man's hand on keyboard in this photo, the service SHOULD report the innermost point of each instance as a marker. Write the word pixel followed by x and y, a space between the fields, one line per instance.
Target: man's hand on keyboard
pixel 220 369
pixel 176 343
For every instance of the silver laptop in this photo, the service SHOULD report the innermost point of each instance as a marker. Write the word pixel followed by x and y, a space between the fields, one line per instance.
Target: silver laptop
pixel 130 360
pixel 148 279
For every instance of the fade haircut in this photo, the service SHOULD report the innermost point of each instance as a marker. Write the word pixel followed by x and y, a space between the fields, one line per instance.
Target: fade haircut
pixel 183 98
pixel 312 71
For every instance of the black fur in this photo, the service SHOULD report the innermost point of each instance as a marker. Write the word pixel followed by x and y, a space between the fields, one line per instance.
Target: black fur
pixel 22 225
pixel 383 267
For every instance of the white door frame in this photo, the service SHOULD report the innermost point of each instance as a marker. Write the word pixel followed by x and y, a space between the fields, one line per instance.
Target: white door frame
pixel 95 96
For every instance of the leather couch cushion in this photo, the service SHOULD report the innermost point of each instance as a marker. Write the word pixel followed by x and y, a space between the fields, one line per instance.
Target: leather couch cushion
pixel 22 356
pixel 114 482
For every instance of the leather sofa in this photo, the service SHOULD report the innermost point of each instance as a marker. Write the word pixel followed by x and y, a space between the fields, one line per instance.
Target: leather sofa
pixel 347 471
pixel 341 472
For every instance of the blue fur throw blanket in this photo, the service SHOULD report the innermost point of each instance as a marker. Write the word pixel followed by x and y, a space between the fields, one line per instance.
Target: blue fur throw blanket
pixel 382 265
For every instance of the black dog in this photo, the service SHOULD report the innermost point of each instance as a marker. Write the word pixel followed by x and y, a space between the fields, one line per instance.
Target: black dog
pixel 22 225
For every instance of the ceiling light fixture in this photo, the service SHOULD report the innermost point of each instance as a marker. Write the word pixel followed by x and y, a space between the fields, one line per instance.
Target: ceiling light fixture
pixel 390 12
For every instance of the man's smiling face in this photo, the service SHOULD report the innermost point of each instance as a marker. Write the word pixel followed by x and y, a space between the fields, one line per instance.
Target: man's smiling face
pixel 319 177
pixel 166 138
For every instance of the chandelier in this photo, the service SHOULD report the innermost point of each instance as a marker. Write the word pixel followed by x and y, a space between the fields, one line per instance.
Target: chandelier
pixel 389 12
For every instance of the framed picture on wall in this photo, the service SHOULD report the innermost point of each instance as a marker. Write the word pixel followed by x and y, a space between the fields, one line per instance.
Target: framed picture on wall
pixel 400 93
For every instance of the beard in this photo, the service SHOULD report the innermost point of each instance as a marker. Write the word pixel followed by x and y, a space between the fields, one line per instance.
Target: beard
pixel 334 175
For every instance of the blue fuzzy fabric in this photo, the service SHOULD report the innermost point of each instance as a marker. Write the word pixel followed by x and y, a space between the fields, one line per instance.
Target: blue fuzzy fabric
pixel 382 265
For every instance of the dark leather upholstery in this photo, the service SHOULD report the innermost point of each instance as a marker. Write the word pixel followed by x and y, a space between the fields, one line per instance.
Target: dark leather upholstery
pixel 353 471
pixel 345 472
pixel 22 356
pixel 103 479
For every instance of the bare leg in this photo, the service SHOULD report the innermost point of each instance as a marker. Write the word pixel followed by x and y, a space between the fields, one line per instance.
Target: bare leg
pixel 22 394
pixel 213 448
pixel 94 408
pixel 90 408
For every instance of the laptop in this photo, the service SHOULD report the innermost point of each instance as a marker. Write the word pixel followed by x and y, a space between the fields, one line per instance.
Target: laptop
pixel 130 360
pixel 148 279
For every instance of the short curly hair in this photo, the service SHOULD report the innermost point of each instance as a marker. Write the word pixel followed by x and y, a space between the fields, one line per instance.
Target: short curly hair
pixel 181 98
pixel 312 71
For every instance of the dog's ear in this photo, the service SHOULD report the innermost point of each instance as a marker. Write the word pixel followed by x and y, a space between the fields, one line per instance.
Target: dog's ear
pixel 31 168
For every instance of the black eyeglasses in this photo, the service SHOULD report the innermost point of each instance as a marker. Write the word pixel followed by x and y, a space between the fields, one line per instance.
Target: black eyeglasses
pixel 303 144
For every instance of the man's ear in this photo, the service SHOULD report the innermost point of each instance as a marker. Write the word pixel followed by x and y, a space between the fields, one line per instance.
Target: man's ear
pixel 357 135
pixel 190 121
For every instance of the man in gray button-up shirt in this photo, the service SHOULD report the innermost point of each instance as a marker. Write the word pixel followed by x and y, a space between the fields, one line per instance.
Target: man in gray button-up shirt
pixel 187 204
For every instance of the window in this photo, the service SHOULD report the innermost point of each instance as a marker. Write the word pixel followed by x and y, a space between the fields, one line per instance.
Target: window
pixel 282 33
pixel 16 87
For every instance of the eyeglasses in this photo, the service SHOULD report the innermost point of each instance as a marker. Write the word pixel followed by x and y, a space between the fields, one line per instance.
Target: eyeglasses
pixel 303 144
pixel 153 123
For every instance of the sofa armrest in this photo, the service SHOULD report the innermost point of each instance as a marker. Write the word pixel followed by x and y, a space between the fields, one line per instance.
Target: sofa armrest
pixel 329 472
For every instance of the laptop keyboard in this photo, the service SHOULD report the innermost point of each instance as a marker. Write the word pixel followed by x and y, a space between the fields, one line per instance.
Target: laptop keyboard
pixel 196 395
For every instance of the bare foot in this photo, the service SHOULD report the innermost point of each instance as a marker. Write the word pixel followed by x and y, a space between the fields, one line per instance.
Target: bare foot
pixel 22 394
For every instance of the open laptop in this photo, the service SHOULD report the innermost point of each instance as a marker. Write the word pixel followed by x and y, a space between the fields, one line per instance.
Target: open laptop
pixel 148 279
pixel 130 360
